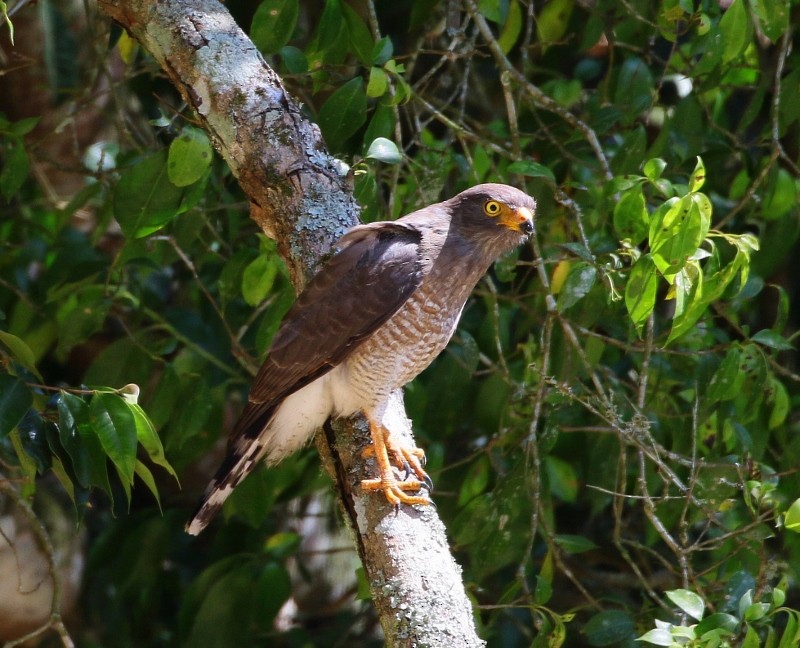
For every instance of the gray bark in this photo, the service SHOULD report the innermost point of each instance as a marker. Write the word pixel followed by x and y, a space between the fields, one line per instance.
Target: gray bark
pixel 300 198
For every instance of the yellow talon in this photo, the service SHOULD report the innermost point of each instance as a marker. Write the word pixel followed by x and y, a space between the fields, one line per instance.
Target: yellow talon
pixel 407 459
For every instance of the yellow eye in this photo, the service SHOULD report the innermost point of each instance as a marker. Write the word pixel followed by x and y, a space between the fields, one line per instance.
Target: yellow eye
pixel 492 208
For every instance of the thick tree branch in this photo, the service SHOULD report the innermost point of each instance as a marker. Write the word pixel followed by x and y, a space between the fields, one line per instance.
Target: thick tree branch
pixel 301 199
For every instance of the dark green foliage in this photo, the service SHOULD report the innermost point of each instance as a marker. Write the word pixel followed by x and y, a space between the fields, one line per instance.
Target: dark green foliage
pixel 611 431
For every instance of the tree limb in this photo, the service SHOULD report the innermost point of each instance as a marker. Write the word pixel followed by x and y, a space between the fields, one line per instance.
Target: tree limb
pixel 301 198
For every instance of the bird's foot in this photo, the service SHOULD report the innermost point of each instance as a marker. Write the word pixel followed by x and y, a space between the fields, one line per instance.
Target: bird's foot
pixel 408 459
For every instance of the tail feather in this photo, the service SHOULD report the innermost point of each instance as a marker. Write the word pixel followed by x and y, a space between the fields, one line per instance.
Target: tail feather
pixel 235 468
pixel 244 453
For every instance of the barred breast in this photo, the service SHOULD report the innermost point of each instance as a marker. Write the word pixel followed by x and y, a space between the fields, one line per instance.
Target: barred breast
pixel 410 340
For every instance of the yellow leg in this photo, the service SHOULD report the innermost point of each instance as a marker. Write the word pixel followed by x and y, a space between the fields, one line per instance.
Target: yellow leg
pixel 408 459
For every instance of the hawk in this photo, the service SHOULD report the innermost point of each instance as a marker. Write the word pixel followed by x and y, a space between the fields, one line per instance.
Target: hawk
pixel 376 315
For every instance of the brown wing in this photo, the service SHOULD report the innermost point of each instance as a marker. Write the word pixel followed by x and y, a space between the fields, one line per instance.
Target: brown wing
pixel 360 288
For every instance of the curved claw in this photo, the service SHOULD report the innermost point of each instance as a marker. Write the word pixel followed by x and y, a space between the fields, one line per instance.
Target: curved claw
pixel 409 460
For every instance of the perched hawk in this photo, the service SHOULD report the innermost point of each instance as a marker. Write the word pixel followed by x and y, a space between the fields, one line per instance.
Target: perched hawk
pixel 372 319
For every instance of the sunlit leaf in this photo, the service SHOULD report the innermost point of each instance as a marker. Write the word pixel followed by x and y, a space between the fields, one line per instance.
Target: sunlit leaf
pixel 698 178
pixel 657 637
pixel 378 82
pixel 258 279
pixel 552 22
pixel 630 216
pixel 688 601
pixel 384 150
pixel 190 156
pixel 791 519
pixel 640 291
pixel 511 28
pixel 736 30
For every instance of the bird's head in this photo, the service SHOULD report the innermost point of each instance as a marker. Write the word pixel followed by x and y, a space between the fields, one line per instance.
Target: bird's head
pixel 494 212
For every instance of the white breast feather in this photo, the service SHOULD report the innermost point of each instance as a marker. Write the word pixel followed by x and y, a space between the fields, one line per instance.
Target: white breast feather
pixel 297 418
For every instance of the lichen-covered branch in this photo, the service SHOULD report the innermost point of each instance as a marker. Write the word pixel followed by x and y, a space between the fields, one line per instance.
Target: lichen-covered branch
pixel 301 199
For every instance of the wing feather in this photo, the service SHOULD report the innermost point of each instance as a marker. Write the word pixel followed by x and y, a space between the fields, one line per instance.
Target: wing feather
pixel 360 288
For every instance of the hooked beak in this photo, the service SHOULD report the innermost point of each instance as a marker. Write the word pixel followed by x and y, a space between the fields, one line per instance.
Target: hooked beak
pixel 521 220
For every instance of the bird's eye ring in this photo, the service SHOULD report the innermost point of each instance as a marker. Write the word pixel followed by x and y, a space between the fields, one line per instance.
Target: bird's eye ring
pixel 492 208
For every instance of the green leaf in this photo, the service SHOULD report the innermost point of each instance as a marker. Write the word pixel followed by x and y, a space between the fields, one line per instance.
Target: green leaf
pixel 579 282
pixel 574 544
pixel 378 82
pixel 9 24
pixel 330 42
pixel 773 340
pixel 780 403
pixel 148 437
pixel 640 291
pixel 273 24
pixel 79 316
pixel 15 169
pixel 258 279
pixel 781 196
pixel 147 477
pixel 653 168
pixel 698 176
pixel 791 519
pixel 688 601
pixel 773 17
pixel 190 156
pixel 512 27
pixel 15 401
pixel 562 478
pixel 630 216
pixel 23 126
pixel 531 169
pixel 736 31
pixel 343 113
pixel 553 21
pixel 384 150
pixel 634 90
pixel 115 426
pixel 722 623
pixel 20 352
pixel 294 59
pixel 144 199
pixel 677 229
pixel 657 637
pixel 81 443
pixel 727 379
pixel 359 35
pixel 609 628
pixel 382 51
